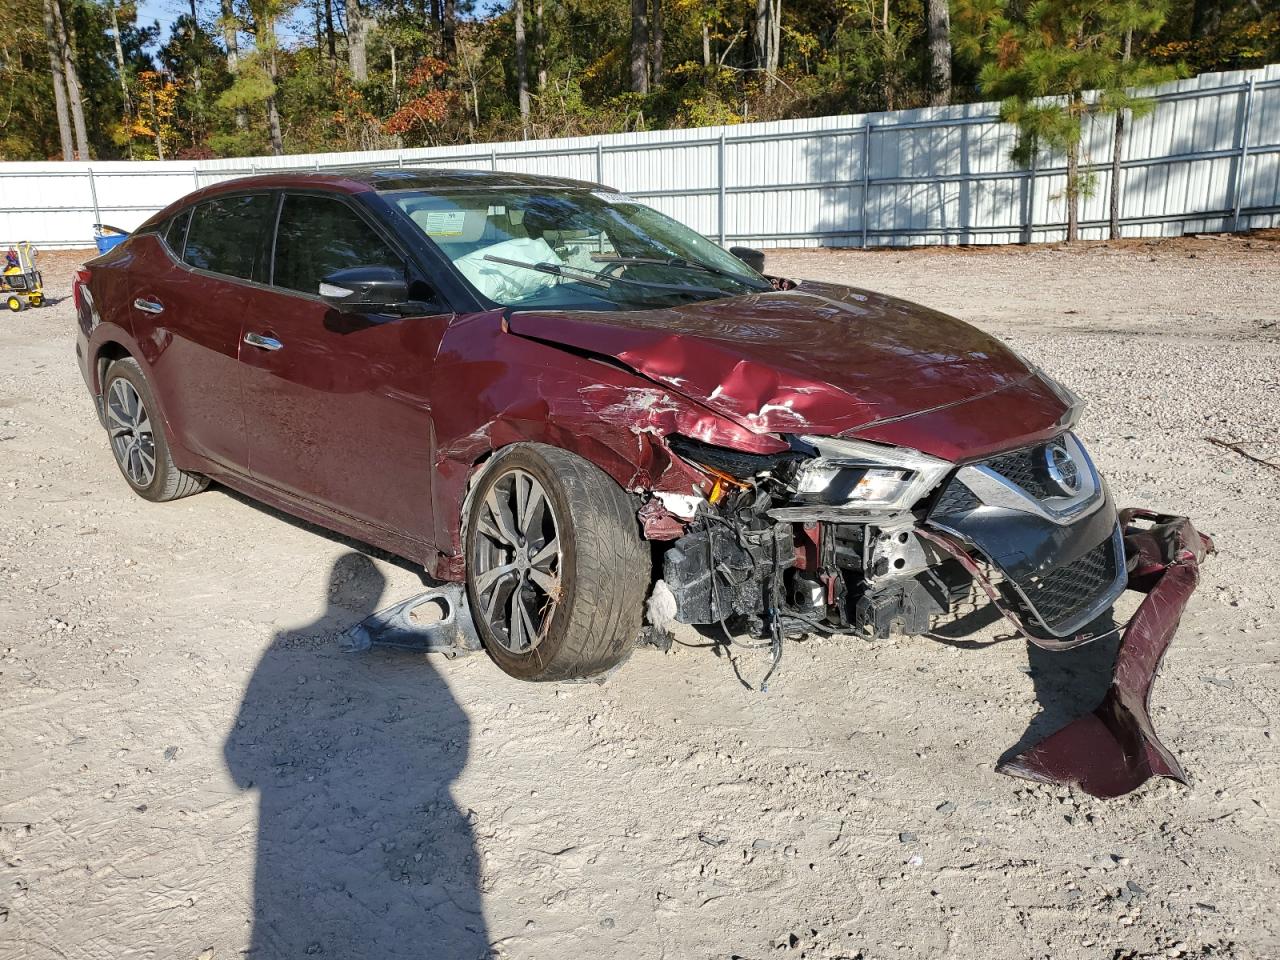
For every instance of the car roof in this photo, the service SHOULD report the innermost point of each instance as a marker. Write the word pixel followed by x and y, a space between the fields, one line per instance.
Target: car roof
pixel 367 179
pixel 363 179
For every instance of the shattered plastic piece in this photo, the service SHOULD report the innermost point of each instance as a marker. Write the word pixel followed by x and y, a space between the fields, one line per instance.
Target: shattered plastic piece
pixel 1114 749
pixel 444 626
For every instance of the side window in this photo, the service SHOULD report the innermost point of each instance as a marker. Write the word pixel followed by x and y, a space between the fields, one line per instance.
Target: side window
pixel 175 231
pixel 318 235
pixel 226 234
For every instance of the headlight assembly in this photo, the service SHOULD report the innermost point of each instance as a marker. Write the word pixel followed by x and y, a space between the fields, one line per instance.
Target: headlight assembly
pixel 868 475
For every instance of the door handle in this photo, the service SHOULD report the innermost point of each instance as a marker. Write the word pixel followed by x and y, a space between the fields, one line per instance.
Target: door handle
pixel 148 306
pixel 261 342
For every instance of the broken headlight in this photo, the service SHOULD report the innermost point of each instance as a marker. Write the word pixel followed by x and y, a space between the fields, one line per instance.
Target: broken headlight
pixel 869 475
pixel 735 463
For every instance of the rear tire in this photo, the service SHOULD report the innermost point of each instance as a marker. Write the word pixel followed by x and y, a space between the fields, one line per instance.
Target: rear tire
pixel 549 531
pixel 136 433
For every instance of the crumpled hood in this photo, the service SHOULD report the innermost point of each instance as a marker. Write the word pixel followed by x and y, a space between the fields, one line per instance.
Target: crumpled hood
pixel 818 359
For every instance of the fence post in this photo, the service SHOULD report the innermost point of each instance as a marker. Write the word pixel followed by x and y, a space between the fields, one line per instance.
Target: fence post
pixel 1244 153
pixel 866 174
pixel 93 196
pixel 195 176
pixel 493 158
pixel 1029 215
pixel 599 161
pixel 720 165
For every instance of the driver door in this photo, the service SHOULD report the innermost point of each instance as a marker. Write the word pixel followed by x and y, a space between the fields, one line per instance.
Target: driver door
pixel 336 406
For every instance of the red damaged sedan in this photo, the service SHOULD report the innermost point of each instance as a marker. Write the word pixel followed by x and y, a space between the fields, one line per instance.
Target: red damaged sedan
pixel 596 417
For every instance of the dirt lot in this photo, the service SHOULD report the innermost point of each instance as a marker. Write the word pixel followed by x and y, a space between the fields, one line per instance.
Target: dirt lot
pixel 190 767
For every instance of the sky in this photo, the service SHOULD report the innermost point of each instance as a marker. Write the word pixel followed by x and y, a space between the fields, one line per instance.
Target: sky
pixel 167 11
pixel 290 29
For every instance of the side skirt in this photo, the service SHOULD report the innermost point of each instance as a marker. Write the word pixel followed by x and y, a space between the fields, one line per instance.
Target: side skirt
pixel 412 550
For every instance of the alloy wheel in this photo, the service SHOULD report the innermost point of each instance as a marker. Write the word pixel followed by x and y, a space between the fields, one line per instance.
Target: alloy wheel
pixel 129 427
pixel 515 567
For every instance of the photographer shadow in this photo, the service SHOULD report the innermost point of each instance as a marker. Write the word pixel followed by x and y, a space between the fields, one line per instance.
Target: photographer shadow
pixel 361 850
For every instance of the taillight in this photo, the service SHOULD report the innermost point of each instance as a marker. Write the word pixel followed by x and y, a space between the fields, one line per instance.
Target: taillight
pixel 81 278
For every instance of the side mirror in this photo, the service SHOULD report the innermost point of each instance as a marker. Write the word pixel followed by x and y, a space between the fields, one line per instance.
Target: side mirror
pixel 365 289
pixel 750 256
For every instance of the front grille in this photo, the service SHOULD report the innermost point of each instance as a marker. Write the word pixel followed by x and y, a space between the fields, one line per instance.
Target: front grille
pixel 955 498
pixel 1022 467
pixel 1067 592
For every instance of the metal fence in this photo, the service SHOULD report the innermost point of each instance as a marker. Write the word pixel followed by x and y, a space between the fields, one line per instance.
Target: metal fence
pixel 1207 158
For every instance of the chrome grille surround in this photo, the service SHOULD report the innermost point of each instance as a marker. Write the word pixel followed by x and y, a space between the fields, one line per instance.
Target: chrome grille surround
pixel 1012 480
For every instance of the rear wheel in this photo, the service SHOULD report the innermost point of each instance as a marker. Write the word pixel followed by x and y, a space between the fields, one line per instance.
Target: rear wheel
pixel 137 437
pixel 15 304
pixel 556 568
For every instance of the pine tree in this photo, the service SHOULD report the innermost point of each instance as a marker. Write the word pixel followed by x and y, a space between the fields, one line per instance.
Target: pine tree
pixel 1054 62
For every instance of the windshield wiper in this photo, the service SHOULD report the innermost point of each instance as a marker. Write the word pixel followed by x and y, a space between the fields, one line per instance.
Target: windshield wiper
pixel 685 264
pixel 555 270
pixel 601 279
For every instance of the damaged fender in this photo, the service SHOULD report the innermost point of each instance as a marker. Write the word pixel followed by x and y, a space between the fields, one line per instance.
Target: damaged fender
pixel 525 390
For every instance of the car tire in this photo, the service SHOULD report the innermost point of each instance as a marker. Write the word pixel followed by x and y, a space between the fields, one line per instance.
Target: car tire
pixel 582 600
pixel 136 434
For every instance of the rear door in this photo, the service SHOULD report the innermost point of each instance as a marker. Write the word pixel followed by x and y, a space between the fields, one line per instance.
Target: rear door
pixel 336 405
pixel 188 318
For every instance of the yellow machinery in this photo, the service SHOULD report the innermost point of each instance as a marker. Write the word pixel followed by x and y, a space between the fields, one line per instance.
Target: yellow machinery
pixel 21 285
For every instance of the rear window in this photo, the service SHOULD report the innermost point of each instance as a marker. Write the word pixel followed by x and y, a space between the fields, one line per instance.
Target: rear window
pixel 225 235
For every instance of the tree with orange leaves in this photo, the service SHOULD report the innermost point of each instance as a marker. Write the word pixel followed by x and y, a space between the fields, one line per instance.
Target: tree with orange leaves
pixel 156 95
pixel 428 106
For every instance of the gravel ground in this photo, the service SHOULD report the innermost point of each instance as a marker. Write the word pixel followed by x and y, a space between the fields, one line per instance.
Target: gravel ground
pixel 190 769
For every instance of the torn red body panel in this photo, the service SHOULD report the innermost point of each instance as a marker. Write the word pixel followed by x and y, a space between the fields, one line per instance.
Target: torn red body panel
pixel 659 523
pixel 1114 749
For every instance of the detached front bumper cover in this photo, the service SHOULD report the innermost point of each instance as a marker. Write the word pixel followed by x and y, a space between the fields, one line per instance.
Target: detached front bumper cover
pixel 1114 749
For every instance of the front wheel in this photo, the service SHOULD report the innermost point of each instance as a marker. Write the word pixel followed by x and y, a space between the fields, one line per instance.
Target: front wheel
pixel 556 568
pixel 137 437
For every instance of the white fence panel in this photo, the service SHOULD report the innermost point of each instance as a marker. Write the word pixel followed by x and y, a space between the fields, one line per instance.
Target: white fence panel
pixel 1206 158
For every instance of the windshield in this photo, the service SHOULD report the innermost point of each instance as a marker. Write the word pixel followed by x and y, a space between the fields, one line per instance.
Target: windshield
pixel 574 249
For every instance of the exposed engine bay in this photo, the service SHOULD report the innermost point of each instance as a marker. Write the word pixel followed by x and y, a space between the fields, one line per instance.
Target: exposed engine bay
pixel 844 536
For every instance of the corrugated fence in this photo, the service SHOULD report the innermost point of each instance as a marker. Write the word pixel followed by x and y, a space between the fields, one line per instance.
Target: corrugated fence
pixel 1206 159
